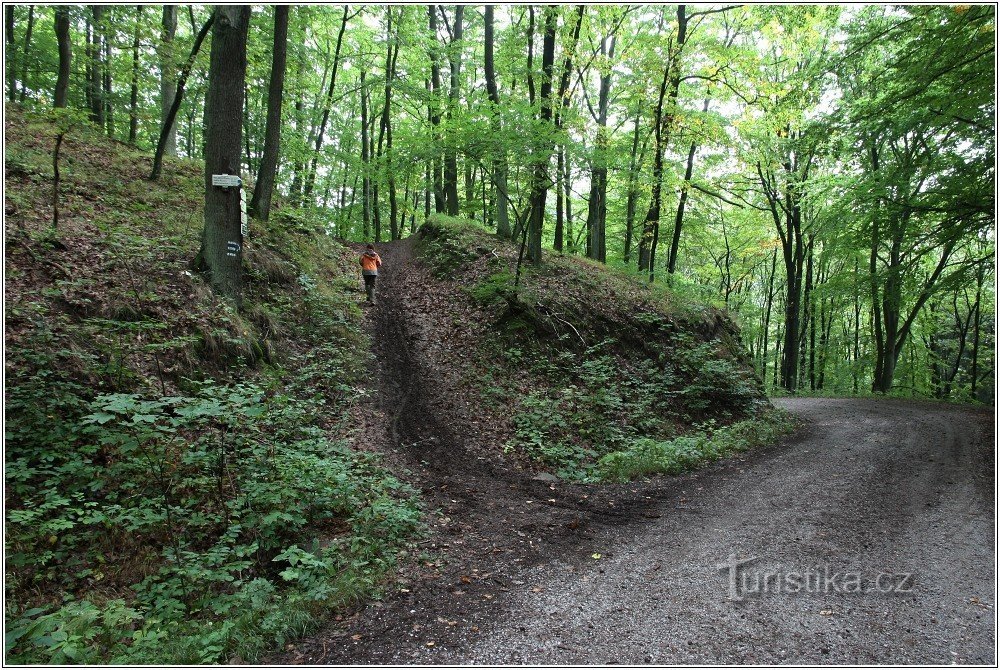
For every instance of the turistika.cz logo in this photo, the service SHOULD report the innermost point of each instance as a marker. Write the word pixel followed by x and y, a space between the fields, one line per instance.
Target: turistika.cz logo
pixel 744 581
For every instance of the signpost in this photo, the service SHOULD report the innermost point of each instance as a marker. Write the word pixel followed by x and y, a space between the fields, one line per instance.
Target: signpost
pixel 234 181
pixel 226 180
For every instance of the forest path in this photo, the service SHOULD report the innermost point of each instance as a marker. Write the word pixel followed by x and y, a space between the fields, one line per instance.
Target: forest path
pixel 551 573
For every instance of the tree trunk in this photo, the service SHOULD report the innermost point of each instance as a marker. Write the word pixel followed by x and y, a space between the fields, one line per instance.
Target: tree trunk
pixel 168 79
pixel 392 52
pixel 221 252
pixel 539 177
pixel 133 102
pixel 499 159
pixel 597 209
pixel 366 180
pixel 634 166
pixel 675 240
pixel 652 221
pixel 557 243
pixel 96 71
pixel 450 158
pixel 976 324
pixel 260 204
pixel 65 55
pixel 434 111
pixel 663 122
pixel 168 123
pixel 25 52
pixel 11 53
pixel 106 96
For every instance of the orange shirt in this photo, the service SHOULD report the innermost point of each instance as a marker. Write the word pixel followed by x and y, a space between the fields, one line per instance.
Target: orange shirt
pixel 370 261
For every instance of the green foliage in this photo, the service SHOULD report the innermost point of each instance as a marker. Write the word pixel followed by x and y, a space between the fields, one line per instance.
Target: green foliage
pixel 229 481
pixel 449 243
pixel 646 456
pixel 495 288
pixel 595 406
pixel 714 381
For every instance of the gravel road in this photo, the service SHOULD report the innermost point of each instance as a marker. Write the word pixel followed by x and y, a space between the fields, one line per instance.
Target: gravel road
pixel 876 526
pixel 869 537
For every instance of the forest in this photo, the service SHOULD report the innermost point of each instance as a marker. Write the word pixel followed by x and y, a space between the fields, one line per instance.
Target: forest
pixel 611 234
pixel 826 173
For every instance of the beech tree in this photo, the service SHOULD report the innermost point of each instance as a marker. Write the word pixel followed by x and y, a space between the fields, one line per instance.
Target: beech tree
pixel 260 204
pixel 221 254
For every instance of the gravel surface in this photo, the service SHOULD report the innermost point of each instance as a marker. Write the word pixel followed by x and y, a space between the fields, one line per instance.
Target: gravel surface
pixel 868 537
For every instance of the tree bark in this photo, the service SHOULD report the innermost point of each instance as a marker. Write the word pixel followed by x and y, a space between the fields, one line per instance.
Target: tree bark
pixel 597 209
pixel 133 114
pixel 11 53
pixel 392 53
pixel 499 159
pixel 65 55
pixel 260 204
pixel 168 78
pixel 434 111
pixel 25 52
pixel 675 240
pixel 450 154
pixel 366 180
pixel 96 68
pixel 106 96
pixel 539 177
pixel 221 252
pixel 663 122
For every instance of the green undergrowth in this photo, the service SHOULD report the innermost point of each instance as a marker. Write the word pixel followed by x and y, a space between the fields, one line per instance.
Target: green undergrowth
pixel 180 477
pixel 598 365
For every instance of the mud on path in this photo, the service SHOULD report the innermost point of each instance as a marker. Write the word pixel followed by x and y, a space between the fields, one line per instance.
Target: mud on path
pixel 538 572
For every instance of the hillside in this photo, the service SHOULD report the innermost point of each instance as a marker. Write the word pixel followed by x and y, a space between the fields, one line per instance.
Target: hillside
pixel 190 484
pixel 171 462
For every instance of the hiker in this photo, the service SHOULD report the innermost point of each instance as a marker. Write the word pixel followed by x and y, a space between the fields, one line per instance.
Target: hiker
pixel 370 263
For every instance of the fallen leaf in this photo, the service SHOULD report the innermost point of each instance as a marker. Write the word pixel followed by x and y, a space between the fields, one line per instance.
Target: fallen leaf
pixel 596 557
pixel 355 637
pixel 465 579
pixel 826 612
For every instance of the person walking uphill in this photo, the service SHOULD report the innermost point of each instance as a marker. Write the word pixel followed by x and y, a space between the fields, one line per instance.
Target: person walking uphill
pixel 370 263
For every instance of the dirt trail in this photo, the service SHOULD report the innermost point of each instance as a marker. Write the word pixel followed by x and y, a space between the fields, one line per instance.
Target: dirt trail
pixel 894 499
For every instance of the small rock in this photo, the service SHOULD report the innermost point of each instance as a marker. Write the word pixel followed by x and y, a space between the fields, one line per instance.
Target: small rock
pixel 546 477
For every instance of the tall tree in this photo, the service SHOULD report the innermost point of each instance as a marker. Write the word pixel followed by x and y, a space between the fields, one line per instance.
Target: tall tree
pixel 260 204
pixel 133 121
pixel 95 65
pixel 434 109
pixel 663 120
pixel 454 91
pixel 540 180
pixel 25 53
pixel 221 253
pixel 65 55
pixel 11 53
pixel 499 154
pixel 168 77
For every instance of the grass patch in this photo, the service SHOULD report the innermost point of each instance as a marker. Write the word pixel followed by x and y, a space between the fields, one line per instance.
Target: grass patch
pixel 647 456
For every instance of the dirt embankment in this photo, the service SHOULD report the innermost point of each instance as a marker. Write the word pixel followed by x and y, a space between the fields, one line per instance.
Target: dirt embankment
pixel 547 572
